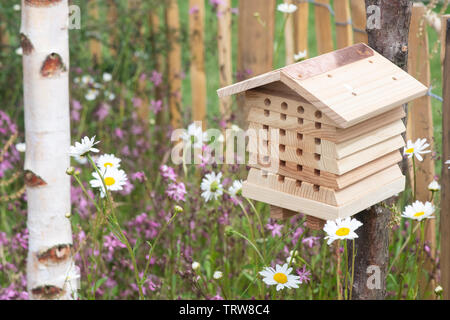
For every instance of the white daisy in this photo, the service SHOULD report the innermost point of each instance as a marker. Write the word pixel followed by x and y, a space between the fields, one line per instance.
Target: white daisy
pixel 81 160
pixel 301 55
pixel 292 255
pixel 341 229
pixel 211 186
pixel 236 188
pixel 419 211
pixel 447 162
pixel 107 77
pixel 87 79
pixel 19 51
pixel 195 265
pixel 81 149
pixel 109 95
pixel 280 276
pixel 217 275
pixel 21 147
pixel 91 94
pixel 114 180
pixel 434 186
pixel 287 7
pixel 416 149
pixel 108 161
pixel 194 135
pixel 16 7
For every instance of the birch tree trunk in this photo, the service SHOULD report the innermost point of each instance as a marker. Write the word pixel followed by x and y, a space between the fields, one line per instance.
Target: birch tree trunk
pixel 51 273
pixel 389 37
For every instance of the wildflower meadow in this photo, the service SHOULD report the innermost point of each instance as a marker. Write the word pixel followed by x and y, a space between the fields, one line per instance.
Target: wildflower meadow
pixel 122 176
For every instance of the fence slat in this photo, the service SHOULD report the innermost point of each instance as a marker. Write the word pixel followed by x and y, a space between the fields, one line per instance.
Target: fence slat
pixel 323 27
pixel 445 178
pixel 289 37
pixel 224 53
pixel 420 118
pixel 358 11
pixel 198 76
pixel 442 36
pixel 301 27
pixel 112 19
pixel 255 43
pixel 94 44
pixel 174 62
pixel 344 31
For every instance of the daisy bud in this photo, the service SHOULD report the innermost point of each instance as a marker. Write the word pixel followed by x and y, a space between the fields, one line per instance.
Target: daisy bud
pixel 438 290
pixel 68 215
pixel 178 209
pixel 195 265
pixel 434 186
pixel 217 275
pixel 70 171
pixel 229 231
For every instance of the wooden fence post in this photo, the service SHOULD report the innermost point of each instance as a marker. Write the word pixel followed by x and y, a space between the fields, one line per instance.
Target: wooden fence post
pixel 255 43
pixel 112 19
pixel 372 246
pixel 323 27
pixel 301 27
pixel 198 76
pixel 445 192
pixel 442 37
pixel 420 118
pixel 174 62
pixel 358 10
pixel 224 53
pixel 95 44
pixel 289 37
pixel 344 31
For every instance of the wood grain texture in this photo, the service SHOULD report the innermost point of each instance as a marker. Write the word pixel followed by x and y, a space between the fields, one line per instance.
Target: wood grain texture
pixel 301 27
pixel 358 12
pixel 174 62
pixel 323 27
pixel 289 43
pixel 445 177
pixel 224 53
pixel 197 68
pixel 95 45
pixel 344 32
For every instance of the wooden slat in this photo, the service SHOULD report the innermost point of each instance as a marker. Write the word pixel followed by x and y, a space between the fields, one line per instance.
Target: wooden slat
pixel 358 13
pixel 289 43
pixel 94 43
pixel 442 36
pixel 301 27
pixel 344 32
pixel 112 32
pixel 445 177
pixel 281 213
pixel 198 76
pixel 174 62
pixel 377 188
pixel 323 27
pixel 224 53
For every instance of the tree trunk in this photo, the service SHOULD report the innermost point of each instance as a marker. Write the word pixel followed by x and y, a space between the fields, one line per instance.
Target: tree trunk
pixel 372 246
pixel 51 273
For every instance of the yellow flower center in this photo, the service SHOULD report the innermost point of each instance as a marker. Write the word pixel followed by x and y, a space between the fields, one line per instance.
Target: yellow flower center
pixel 410 150
pixel 108 164
pixel 419 214
pixel 109 181
pixel 280 278
pixel 342 232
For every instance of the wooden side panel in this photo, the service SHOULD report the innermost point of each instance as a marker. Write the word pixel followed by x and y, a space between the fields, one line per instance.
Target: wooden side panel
pixel 323 27
pixel 198 76
pixel 358 11
pixel 344 32
pixel 281 213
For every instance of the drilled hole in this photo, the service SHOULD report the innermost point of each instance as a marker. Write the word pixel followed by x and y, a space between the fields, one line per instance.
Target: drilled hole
pixel 370 61
pixel 284 106
pixel 317 156
pixel 299 152
pixel 265 127
pixel 299 167
pixel 300 120
pixel 300 109
pixel 282 163
pixel 300 136
pixel 282 132
pixel 329 76
pixel 316 188
pixel 298 183
pixel 266 113
pixel 317 172
pixel 318 114
pixel 282 148
pixel 318 125
pixel 318 141
pixel 267 102
pixel 281 178
pixel 283 116
pixel 299 76
pixel 264 173
pixel 266 143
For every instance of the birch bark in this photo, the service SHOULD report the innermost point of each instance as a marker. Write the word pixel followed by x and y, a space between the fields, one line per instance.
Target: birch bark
pixel 51 273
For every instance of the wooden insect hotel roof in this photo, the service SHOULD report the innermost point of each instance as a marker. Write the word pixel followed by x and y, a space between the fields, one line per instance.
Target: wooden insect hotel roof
pixel 338 124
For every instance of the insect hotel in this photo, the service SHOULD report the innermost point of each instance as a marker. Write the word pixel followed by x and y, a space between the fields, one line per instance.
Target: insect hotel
pixel 338 127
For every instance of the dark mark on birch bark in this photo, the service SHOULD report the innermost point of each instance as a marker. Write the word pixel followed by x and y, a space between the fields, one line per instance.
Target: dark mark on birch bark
pixel 55 254
pixel 48 292
pixel 52 66
pixel 33 180
pixel 42 3
pixel 26 44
